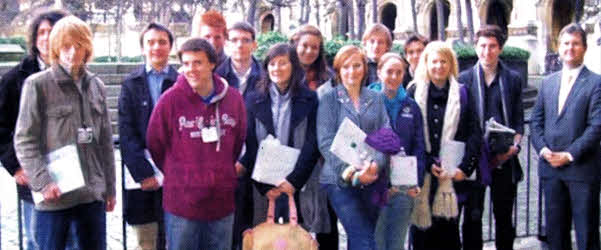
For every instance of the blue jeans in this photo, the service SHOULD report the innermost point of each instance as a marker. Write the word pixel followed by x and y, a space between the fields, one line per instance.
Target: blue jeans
pixel 183 234
pixel 357 215
pixel 52 228
pixel 28 209
pixel 391 230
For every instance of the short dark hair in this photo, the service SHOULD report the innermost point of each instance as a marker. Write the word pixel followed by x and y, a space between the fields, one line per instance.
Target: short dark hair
pixel 198 45
pixel 52 16
pixel 297 76
pixel 415 37
pixel 243 26
pixel 159 27
pixel 574 28
pixel 491 30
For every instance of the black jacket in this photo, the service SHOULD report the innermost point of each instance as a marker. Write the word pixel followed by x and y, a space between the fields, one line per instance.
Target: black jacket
pixel 10 95
pixel 225 70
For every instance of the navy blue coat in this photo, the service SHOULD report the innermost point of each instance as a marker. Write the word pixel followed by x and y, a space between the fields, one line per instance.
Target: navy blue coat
pixel 409 126
pixel 10 95
pixel 513 100
pixel 576 129
pixel 135 107
pixel 303 115
pixel 225 70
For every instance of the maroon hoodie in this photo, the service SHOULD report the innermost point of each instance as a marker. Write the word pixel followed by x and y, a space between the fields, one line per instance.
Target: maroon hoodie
pixel 199 177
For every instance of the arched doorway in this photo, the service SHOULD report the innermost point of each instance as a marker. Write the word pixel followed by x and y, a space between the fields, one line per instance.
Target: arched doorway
pixel 434 18
pixel 563 13
pixel 267 23
pixel 498 14
pixel 388 16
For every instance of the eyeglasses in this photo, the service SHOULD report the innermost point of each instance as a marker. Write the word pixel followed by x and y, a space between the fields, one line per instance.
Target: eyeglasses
pixel 241 40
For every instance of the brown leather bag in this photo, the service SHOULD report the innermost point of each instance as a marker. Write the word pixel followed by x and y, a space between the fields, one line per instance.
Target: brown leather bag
pixel 271 236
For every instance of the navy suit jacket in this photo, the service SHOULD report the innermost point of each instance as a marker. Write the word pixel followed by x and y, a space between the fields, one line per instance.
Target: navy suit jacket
pixel 225 70
pixel 135 107
pixel 576 129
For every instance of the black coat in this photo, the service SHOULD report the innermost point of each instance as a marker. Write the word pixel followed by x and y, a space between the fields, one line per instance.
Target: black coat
pixel 225 70
pixel 10 94
pixel 135 107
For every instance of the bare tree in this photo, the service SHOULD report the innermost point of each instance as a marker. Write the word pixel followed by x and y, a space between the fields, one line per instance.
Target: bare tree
pixel 317 16
pixel 459 22
pixel 252 9
pixel 361 16
pixel 342 17
pixel 440 19
pixel 374 11
pixel 470 20
pixel 414 15
pixel 351 19
pixel 307 12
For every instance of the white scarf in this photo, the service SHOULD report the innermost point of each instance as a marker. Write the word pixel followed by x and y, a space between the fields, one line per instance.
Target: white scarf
pixel 451 115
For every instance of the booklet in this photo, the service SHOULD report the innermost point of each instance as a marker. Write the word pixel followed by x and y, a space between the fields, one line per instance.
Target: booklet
pixel 403 170
pixel 451 155
pixel 274 161
pixel 499 137
pixel 130 183
pixel 349 144
pixel 64 168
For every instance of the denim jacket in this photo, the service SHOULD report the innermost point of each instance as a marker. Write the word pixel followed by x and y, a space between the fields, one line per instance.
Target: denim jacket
pixel 51 112
pixel 334 106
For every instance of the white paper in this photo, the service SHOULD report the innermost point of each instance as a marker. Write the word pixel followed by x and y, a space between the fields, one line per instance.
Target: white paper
pixel 350 134
pixel 451 155
pixel 130 183
pixel 403 170
pixel 274 161
pixel 64 168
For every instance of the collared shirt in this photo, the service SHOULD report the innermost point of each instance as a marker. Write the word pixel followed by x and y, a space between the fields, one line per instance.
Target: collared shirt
pixel 281 111
pixel 493 105
pixel 155 81
pixel 568 77
pixel 242 77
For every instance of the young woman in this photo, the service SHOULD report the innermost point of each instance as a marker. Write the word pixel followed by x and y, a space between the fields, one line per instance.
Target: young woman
pixel 343 183
pixel 447 114
pixel 281 106
pixel 406 121
pixel 308 43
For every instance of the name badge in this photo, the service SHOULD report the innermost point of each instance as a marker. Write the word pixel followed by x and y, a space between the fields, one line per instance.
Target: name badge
pixel 209 134
pixel 195 134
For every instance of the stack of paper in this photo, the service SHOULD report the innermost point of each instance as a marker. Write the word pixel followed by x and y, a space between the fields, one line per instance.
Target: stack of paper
pixel 349 144
pixel 65 169
pixel 403 170
pixel 274 161
pixel 451 155
pixel 129 180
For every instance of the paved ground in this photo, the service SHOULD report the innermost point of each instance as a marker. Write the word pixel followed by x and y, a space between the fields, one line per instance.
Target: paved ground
pixel 526 223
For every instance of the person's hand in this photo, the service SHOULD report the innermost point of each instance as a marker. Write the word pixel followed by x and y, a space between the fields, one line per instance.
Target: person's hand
pixel 150 184
pixel 273 193
pixel 240 169
pixel 286 187
pixel 369 175
pixel 21 177
pixel 502 158
pixel 439 172
pixel 51 192
pixel 110 203
pixel 558 159
pixel 459 175
pixel 413 192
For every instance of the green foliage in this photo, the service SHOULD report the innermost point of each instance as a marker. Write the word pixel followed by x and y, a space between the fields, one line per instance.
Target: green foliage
pixel 14 40
pixel 266 40
pixel 109 59
pixel 509 53
pixel 331 47
pixel 398 48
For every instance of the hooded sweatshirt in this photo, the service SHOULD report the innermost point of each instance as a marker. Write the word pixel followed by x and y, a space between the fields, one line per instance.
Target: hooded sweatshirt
pixel 199 176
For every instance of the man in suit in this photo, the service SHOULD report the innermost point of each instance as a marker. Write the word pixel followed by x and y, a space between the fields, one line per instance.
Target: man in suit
pixel 140 92
pixel 566 129
pixel 497 91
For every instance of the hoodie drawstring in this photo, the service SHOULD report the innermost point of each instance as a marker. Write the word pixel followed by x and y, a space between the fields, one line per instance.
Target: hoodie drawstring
pixel 218 118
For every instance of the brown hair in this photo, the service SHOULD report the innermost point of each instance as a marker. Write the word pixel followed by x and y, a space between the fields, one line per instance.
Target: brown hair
pixel 378 28
pixel 243 26
pixel 389 56
pixel 52 16
pixel 574 28
pixel 415 38
pixel 72 29
pixel 491 30
pixel 320 64
pixel 345 53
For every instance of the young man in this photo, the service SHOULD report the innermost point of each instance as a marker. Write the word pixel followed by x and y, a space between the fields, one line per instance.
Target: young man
pixel 140 93
pixel 414 46
pixel 566 129
pixel 376 41
pixel 64 107
pixel 497 91
pixel 10 94
pixel 195 136
pixel 242 71
pixel 212 27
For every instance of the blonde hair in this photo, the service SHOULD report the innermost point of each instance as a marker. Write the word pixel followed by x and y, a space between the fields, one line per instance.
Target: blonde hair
pixel 345 53
pixel 441 48
pixel 70 29
pixel 378 28
pixel 389 56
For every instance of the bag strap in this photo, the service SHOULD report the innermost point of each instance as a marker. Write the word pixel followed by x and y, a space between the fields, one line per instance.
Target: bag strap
pixel 291 206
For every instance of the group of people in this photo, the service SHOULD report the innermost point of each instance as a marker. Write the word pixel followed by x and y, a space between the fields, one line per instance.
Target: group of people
pixel 201 126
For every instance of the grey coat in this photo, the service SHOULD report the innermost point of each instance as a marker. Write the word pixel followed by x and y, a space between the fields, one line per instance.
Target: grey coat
pixel 51 112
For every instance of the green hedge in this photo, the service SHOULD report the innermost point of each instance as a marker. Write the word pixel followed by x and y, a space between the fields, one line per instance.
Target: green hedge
pixel 266 40
pixel 508 53
pixel 107 59
pixel 14 40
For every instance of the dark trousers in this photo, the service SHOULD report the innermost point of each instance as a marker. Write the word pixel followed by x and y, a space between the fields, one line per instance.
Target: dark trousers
pixel 329 240
pixel 567 202
pixel 143 207
pixel 503 192
pixel 243 216
pixel 53 227
pixel 442 235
